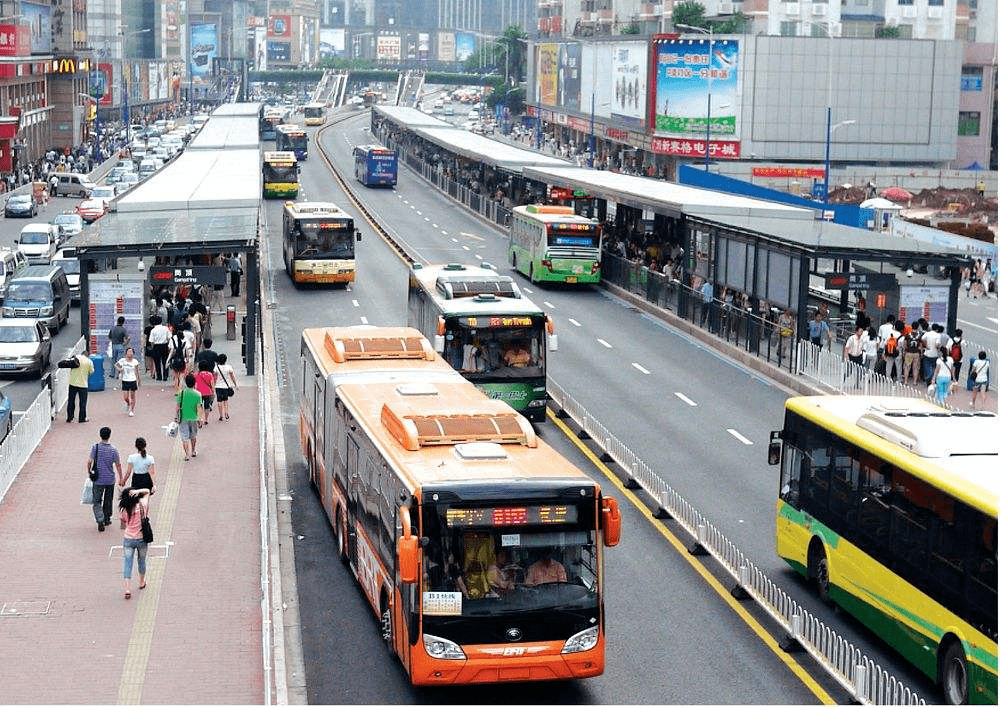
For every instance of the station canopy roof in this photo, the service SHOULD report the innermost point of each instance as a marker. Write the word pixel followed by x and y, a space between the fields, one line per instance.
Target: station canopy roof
pixel 411 117
pixel 482 149
pixel 231 126
pixel 666 197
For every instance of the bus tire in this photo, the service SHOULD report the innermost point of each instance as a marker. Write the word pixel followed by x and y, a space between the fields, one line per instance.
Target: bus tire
pixel 340 536
pixel 953 674
pixel 819 570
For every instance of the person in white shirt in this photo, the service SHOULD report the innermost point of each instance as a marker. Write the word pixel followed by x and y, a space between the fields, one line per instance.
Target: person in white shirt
pixel 885 331
pixel 128 370
pixel 930 342
pixel 854 351
pixel 980 374
pixel 159 338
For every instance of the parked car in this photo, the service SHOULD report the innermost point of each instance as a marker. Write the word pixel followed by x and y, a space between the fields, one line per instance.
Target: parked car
pixel 69 223
pixel 25 347
pixel 6 416
pixel 91 209
pixel 127 182
pixel 22 205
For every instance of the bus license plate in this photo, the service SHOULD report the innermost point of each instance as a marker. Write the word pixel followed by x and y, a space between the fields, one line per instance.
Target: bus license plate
pixel 571 278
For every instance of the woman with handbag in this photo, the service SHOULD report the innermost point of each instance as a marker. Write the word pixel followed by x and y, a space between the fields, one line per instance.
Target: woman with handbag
pixel 140 469
pixel 225 385
pixel 133 508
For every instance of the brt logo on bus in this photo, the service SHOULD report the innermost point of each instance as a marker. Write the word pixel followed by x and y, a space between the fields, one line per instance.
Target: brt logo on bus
pixel 508 395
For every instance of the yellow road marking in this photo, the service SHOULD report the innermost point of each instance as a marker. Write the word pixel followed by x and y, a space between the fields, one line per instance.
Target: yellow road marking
pixel 709 578
pixel 137 656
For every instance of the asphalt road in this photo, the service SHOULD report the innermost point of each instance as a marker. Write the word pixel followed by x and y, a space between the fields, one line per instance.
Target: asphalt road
pixel 700 421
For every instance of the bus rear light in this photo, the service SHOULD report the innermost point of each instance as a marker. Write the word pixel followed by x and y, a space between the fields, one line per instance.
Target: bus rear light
pixel 595 267
pixel 547 264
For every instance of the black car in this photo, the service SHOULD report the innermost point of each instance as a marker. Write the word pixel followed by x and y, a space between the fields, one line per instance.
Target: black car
pixel 22 205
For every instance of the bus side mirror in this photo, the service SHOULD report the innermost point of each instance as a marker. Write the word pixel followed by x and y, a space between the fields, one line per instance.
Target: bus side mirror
pixel 611 521
pixel 774 448
pixel 439 343
pixel 357 233
pixel 407 554
pixel 553 342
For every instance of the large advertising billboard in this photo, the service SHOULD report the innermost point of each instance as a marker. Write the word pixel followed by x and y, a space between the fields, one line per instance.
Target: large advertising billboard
pixel 628 73
pixel 39 18
pixel 687 73
pixel 548 74
pixel 569 75
pixel 387 47
pixel 204 47
pixel 279 26
pixel 446 46
pixel 102 83
pixel 465 44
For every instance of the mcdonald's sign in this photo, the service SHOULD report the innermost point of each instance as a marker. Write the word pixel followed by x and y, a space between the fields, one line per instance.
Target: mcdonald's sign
pixel 64 65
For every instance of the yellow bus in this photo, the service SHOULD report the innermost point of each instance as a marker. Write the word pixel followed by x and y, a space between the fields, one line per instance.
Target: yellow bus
pixel 318 242
pixel 477 546
pixel 314 113
pixel 890 506
pixel 280 175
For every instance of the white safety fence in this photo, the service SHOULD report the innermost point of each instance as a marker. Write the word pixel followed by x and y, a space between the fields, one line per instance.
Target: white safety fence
pixel 33 424
pixel 859 675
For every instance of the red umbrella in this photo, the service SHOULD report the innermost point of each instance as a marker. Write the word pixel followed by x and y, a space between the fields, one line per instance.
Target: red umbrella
pixel 896 194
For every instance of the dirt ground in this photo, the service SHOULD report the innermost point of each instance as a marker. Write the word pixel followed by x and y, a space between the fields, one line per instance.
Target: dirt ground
pixel 965 203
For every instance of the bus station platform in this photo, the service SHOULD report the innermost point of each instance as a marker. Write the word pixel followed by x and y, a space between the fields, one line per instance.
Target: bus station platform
pixel 194 634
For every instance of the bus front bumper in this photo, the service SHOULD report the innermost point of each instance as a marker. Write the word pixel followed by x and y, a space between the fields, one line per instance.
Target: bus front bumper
pixel 515 663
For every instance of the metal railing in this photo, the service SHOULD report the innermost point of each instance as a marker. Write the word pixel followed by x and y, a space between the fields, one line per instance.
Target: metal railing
pixel 864 679
pixel 34 423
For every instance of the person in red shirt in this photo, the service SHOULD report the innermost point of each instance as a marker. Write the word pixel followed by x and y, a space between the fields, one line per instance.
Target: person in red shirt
pixel 545 571
pixel 132 506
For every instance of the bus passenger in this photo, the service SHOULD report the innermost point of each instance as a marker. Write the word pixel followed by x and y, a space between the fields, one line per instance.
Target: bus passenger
pixel 545 571
pixel 498 574
pixel 517 356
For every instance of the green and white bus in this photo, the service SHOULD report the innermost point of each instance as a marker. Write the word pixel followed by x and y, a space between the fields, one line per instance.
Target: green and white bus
pixel 486 329
pixel 554 244
pixel 890 506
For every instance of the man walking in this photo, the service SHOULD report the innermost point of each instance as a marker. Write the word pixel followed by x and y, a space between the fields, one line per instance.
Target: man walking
pixel 235 270
pixel 104 468
pixel 188 408
pixel 119 339
pixel 78 378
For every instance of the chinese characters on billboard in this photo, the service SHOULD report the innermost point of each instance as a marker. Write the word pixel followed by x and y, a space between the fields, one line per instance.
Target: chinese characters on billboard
pixel 204 43
pixel 548 74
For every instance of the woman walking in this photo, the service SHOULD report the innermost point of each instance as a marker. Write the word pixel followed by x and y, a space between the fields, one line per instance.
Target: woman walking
pixel 133 506
pixel 942 375
pixel 140 469
pixel 204 383
pixel 178 359
pixel 225 385
pixel 128 371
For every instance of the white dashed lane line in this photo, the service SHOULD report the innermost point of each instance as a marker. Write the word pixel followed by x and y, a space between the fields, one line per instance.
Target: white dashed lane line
pixel 605 344
pixel 738 436
pixel 548 304
pixel 364 320
pixel 686 399
pixel 639 368
pixel 355 303
pixel 573 322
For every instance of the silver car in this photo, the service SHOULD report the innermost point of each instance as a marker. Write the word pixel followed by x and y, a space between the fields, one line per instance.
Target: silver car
pixel 25 347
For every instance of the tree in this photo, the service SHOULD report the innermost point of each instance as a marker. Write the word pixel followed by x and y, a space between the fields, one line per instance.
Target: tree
pixel 691 13
pixel 887 32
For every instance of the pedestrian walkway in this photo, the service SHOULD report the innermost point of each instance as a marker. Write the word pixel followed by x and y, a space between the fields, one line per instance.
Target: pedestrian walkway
pixel 194 634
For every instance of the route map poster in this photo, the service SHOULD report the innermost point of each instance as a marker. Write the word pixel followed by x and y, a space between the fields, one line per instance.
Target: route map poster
pixel 927 301
pixel 113 296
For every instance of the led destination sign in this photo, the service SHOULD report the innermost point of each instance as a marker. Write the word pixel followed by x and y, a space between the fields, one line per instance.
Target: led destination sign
pixel 510 515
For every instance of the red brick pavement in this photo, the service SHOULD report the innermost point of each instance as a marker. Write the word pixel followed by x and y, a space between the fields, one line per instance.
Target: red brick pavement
pixel 194 634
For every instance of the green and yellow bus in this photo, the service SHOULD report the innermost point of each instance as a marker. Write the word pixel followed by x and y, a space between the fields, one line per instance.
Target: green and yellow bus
pixel 280 172
pixel 554 244
pixel 890 506
pixel 486 329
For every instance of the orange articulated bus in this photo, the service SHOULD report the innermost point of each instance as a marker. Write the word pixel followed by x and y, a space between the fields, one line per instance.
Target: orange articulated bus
pixel 478 547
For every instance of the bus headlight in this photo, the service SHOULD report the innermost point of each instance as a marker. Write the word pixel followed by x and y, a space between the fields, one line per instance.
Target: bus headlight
pixel 536 403
pixel 583 641
pixel 444 649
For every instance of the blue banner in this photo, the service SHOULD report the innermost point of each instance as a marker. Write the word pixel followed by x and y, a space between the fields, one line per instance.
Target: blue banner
pixel 204 48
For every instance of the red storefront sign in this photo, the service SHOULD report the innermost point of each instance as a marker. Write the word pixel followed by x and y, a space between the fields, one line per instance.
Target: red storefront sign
pixel 15 40
pixel 684 147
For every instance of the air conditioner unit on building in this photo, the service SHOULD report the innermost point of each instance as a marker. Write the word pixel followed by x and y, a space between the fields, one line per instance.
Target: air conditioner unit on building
pixel 725 8
pixel 907 11
pixel 791 9
pixel 935 12
pixel 819 9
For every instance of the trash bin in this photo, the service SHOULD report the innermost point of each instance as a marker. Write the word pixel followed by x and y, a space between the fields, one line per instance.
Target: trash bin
pixel 96 380
pixel 231 323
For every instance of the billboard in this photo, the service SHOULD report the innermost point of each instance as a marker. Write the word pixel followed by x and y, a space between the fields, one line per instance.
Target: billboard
pixel 279 51
pixel 331 41
pixel 14 39
pixel 548 74
pixel 569 75
pixel 387 47
pixel 39 18
pixel 688 71
pixel 446 46
pixel 423 46
pixel 204 47
pixel 628 73
pixel 279 26
pixel 102 81
pixel 465 44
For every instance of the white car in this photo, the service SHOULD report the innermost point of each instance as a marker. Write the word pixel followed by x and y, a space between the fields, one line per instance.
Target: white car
pixel 107 193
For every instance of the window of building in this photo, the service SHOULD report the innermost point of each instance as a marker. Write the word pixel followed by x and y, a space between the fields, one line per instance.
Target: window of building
pixel 931 3
pixel 905 2
pixel 789 29
pixel 968 122
pixel 905 31
pixel 972 78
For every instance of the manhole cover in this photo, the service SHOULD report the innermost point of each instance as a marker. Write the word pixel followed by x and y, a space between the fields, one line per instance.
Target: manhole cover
pixel 25 608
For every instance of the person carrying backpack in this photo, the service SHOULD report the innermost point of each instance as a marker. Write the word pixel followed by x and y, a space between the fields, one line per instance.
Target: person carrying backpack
pixel 178 357
pixel 955 351
pixel 911 354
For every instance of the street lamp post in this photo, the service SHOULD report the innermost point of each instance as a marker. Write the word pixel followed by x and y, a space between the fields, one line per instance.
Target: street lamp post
pixel 590 146
pixel 829 133
pixel 126 117
pixel 708 116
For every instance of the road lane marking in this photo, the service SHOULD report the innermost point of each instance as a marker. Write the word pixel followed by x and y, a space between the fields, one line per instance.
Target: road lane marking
pixel 479 256
pixel 472 235
pixel 762 633
pixel 548 304
pixel 364 320
pixel 465 247
pixel 355 303
pixel 686 399
pixel 738 436
pixel 605 344
pixel 639 368
pixel 434 225
pixel 979 326
pixel 573 322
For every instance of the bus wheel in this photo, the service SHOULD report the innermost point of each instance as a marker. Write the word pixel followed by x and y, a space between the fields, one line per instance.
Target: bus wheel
pixel 819 570
pixel 954 675
pixel 338 531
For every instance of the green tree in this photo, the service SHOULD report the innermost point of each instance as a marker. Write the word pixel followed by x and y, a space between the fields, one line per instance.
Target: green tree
pixel 690 13
pixel 887 32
